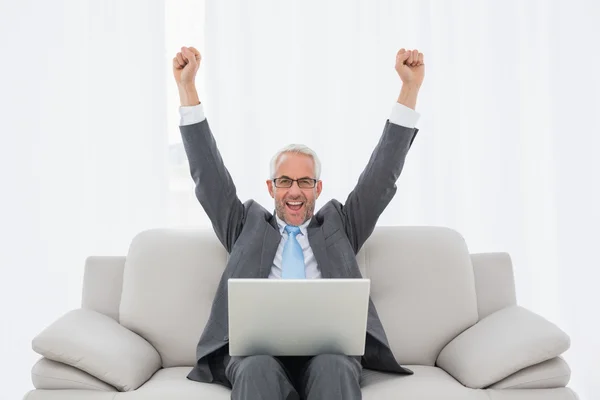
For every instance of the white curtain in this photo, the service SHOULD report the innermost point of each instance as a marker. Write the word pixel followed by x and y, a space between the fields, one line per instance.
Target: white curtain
pixel 509 133
pixel 506 152
pixel 83 154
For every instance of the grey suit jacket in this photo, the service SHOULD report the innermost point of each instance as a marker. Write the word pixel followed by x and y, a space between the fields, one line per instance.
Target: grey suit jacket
pixel 251 236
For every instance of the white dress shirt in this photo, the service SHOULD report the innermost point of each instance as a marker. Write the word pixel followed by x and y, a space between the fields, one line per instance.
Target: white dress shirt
pixel 311 268
pixel 401 115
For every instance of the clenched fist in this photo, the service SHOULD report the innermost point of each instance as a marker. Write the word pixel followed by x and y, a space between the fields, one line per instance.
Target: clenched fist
pixel 410 67
pixel 185 66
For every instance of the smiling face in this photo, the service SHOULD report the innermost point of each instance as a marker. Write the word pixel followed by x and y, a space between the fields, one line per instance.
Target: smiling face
pixel 294 205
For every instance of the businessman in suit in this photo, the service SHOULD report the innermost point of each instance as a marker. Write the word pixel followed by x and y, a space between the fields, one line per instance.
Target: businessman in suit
pixel 293 242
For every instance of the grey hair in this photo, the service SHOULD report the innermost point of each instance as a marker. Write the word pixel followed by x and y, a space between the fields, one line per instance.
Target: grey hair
pixel 298 149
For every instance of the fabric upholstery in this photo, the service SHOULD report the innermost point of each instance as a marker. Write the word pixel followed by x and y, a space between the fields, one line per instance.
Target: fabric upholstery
pixel 169 282
pixel 500 345
pixel 423 287
pixel 494 281
pixel 532 394
pixel 195 260
pixel 429 293
pixel 69 395
pixel 102 284
pixel 427 383
pixel 171 383
pixel 48 374
pixel 553 373
pixel 99 346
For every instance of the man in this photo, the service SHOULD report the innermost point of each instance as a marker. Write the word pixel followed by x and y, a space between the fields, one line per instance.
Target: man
pixel 293 243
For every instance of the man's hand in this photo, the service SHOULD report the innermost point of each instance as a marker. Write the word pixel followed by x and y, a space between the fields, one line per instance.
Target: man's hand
pixel 185 67
pixel 410 67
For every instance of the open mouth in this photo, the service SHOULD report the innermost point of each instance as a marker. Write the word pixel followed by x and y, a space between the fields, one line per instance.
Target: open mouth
pixel 294 205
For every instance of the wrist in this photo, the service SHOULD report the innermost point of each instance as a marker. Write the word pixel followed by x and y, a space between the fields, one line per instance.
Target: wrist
pixel 408 95
pixel 412 86
pixel 188 95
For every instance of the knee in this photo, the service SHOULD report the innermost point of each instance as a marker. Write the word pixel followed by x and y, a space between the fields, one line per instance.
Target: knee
pixel 257 365
pixel 335 363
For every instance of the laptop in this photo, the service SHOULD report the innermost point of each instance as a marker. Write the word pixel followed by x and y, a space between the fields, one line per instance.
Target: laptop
pixel 298 317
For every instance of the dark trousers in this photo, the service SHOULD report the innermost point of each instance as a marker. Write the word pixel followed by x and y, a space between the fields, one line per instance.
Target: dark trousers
pixel 326 376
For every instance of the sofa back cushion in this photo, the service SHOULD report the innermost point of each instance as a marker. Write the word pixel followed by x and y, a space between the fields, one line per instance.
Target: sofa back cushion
pixel 169 281
pixel 421 283
pixel 423 287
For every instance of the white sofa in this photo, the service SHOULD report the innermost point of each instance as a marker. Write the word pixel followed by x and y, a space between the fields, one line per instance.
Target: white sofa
pixel 450 316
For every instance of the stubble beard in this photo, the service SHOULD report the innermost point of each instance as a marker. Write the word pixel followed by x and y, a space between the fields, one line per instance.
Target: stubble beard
pixel 309 208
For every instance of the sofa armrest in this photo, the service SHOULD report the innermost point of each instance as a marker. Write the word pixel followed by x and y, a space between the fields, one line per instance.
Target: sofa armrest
pixel 100 346
pixel 500 345
pixel 54 375
pixel 554 373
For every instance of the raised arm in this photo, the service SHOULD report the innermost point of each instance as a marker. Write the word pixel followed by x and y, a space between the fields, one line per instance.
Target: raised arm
pixel 376 185
pixel 214 187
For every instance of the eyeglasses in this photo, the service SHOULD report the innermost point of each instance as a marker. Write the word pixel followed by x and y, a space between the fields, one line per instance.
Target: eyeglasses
pixel 303 183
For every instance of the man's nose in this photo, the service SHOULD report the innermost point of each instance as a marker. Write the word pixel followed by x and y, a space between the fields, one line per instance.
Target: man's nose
pixel 294 189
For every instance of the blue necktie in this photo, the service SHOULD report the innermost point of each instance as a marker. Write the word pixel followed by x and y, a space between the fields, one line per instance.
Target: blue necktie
pixel 293 257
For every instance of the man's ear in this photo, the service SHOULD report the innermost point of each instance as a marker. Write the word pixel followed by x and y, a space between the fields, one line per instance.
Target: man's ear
pixel 271 188
pixel 319 188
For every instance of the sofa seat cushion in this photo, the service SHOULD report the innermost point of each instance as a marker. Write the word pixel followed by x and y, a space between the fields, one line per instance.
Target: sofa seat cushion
pixel 172 383
pixel 427 383
pixel 70 394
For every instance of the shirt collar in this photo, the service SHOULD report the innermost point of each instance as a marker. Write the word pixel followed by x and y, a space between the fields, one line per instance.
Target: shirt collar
pixel 281 223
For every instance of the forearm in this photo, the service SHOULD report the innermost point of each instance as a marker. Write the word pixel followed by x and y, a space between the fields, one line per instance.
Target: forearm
pixel 408 95
pixel 188 96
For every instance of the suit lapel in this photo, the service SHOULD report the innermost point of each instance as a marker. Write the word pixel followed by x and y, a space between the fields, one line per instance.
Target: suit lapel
pixel 317 244
pixel 273 221
pixel 270 242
